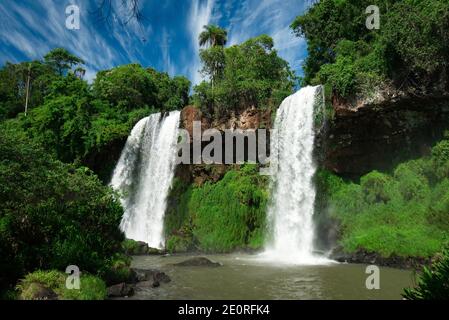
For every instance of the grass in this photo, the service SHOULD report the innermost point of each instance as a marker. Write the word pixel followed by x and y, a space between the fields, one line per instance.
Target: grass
pixel 91 287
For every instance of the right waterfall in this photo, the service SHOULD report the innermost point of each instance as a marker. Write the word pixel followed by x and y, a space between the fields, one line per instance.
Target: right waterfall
pixel 290 213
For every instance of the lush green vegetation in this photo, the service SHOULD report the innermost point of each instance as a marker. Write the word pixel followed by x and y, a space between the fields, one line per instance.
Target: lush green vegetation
pixel 54 161
pixel 241 76
pixel 219 217
pixel 54 210
pixel 433 282
pixel 404 213
pixel 91 287
pixel 82 123
pixel 52 214
pixel 410 48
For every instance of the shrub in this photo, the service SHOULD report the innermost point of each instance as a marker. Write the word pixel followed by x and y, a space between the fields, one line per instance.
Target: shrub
pixel 117 270
pixel 433 282
pixel 177 244
pixel 375 187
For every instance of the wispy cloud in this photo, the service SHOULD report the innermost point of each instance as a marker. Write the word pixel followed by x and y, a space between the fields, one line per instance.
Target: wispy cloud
pixel 34 29
pixel 167 40
pixel 200 14
pixel 165 49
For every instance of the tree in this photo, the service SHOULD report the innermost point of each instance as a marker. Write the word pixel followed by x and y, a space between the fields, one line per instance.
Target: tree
pixel 213 35
pixel 128 86
pixel 410 50
pixel 213 58
pixel 245 75
pixel 51 214
pixel 13 79
pixel 61 60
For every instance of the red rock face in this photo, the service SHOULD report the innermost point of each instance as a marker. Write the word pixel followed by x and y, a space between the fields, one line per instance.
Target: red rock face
pixel 190 114
pixel 250 118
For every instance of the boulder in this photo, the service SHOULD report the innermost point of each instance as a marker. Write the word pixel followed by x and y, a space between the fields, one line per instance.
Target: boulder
pixel 198 262
pixel 154 275
pixel 120 290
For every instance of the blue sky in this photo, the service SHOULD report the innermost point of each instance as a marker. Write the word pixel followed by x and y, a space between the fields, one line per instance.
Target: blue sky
pixel 167 39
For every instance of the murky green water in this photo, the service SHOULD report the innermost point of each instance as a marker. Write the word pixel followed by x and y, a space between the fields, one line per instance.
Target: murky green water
pixel 245 277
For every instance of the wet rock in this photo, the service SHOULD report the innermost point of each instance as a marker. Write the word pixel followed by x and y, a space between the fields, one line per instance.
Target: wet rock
pixel 367 257
pixel 138 248
pixel 143 275
pixel 154 251
pixel 37 291
pixel 120 290
pixel 161 277
pixel 198 262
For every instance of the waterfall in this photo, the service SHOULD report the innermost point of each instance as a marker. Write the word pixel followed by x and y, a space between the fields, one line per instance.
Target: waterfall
pixel 293 193
pixel 143 176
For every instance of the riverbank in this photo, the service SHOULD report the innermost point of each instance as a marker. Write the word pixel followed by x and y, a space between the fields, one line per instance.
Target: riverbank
pixel 373 258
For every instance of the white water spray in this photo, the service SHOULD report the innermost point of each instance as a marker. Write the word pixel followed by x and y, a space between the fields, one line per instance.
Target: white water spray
pixel 293 193
pixel 143 176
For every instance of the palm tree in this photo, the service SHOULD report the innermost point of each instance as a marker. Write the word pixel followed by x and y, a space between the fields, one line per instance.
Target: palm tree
pixel 213 35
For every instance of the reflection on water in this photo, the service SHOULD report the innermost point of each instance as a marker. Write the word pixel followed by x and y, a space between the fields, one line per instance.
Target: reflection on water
pixel 246 277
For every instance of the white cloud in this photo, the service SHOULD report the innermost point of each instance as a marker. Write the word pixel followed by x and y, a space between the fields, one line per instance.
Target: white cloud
pixel 200 14
pixel 165 49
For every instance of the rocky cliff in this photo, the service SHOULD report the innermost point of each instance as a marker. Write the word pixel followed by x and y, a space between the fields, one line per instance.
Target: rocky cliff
pixel 376 132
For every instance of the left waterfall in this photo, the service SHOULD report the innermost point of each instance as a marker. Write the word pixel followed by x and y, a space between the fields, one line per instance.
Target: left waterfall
pixel 143 176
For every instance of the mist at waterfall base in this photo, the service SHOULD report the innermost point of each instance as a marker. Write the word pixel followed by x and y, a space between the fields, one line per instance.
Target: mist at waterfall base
pixel 290 213
pixel 143 176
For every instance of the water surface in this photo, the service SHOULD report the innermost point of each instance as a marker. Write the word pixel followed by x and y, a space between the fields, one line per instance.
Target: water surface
pixel 245 277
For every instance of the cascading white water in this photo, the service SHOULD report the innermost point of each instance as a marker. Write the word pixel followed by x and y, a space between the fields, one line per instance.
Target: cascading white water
pixel 293 193
pixel 143 176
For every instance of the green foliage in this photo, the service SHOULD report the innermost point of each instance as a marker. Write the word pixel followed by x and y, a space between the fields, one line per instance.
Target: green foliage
pixel 416 32
pixel 433 282
pixel 13 79
pixel 177 244
pixel 127 86
pixel 213 35
pixel 440 158
pixel 80 123
pixel 171 93
pixel 51 214
pixel 130 246
pixel 249 74
pixel 117 270
pixel 221 216
pixel 405 213
pixel 325 24
pixel 61 60
pixel 357 67
pixel 410 46
pixel 91 287
pixel 133 87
